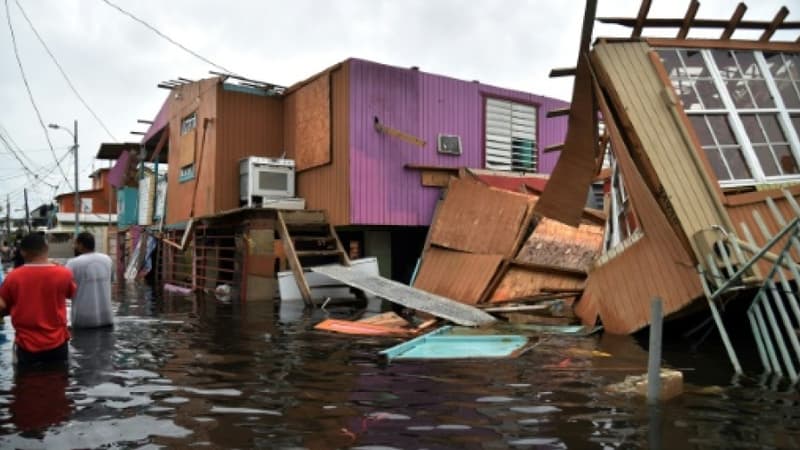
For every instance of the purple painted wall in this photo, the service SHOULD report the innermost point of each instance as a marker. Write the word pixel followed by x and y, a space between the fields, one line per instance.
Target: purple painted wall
pixel 382 191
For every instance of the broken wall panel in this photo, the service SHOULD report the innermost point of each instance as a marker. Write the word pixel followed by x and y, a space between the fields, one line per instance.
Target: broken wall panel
pixel 556 244
pixel 620 288
pixel 477 219
pixel 457 275
pixel 659 141
pixel 520 282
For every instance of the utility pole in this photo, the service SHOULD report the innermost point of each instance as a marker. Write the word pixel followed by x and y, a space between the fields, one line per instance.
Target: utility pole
pixel 77 189
pixel 8 217
pixel 27 211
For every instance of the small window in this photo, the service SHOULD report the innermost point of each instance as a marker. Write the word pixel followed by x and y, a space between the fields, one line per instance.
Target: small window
pixel 510 137
pixel 186 173
pixel 189 123
pixel 449 144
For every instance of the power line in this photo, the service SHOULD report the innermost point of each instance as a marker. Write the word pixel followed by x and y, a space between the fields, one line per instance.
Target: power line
pixel 33 177
pixel 30 93
pixel 174 42
pixel 63 73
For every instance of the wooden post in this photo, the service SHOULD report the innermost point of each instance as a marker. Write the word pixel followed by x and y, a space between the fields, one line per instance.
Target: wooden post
pixel 294 261
pixel 654 352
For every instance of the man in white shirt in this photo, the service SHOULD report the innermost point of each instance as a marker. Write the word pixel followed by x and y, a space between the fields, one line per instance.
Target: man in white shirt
pixel 91 305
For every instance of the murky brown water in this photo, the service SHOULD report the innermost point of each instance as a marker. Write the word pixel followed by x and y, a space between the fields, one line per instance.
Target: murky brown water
pixel 179 372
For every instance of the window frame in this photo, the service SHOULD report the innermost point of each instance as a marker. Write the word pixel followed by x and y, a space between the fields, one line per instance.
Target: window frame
pixel 184 175
pixel 536 153
pixel 734 114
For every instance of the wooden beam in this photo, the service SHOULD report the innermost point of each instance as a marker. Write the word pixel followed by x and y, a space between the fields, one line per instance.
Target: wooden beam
pixel 698 23
pixel 562 72
pixel 403 136
pixel 294 261
pixel 554 148
pixel 644 9
pixel 731 44
pixel 775 24
pixel 587 28
pixel 691 12
pixel 557 112
pixel 736 19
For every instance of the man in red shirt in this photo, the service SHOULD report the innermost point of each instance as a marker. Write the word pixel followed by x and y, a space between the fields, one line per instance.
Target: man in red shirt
pixel 35 295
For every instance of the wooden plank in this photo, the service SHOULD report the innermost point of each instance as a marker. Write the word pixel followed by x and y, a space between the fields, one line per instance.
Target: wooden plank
pixel 730 44
pixel 562 72
pixel 294 262
pixel 403 136
pixel 520 281
pixel 553 148
pixel 691 12
pixel 644 9
pixel 557 112
pixel 548 268
pixel 457 275
pixel 407 296
pixel 775 24
pixel 344 259
pixel 304 217
pixel 698 23
pixel 736 19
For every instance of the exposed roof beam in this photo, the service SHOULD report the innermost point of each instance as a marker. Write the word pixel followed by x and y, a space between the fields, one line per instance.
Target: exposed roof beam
pixel 587 28
pixel 553 148
pixel 698 23
pixel 776 22
pixel 146 122
pixel 736 19
pixel 562 72
pixel 691 12
pixel 644 9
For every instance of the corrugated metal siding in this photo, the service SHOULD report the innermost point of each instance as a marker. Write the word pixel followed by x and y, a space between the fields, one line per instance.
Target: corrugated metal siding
pixel 247 125
pixel 327 187
pixel 201 97
pixel 383 192
pixel 638 92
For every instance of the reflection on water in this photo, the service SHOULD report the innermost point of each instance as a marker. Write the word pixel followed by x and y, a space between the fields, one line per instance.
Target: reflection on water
pixel 179 371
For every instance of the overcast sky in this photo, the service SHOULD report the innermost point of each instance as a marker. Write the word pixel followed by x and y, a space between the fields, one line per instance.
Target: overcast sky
pixel 115 62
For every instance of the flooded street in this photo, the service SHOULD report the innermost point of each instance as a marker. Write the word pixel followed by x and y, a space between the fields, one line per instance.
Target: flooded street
pixel 179 372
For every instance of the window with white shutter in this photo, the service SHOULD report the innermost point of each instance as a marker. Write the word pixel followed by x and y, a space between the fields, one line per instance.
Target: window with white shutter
pixel 510 136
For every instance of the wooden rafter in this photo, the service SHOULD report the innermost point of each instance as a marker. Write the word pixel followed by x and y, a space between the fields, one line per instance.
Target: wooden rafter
pixel 562 72
pixel 775 24
pixel 736 19
pixel 644 8
pixel 660 22
pixel 691 12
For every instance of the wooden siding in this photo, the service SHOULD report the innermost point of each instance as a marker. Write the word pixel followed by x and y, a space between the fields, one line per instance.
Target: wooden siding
pixel 328 186
pixel 247 125
pixel 457 275
pixel 658 140
pixel 202 98
pixel 620 289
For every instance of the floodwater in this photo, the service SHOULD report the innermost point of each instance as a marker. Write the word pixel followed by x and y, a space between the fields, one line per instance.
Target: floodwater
pixel 186 372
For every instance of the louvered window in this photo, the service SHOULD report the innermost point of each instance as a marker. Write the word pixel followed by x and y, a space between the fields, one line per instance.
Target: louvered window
pixel 510 136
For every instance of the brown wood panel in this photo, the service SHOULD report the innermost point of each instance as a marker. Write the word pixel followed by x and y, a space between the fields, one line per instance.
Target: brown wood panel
pixel 524 282
pixel 248 125
pixel 328 186
pixel 457 275
pixel 201 97
pixel 478 219
pixel 557 244
pixel 308 123
pixel 564 197
pixel 619 290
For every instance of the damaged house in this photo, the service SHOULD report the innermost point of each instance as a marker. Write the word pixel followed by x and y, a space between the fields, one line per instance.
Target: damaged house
pixel 703 136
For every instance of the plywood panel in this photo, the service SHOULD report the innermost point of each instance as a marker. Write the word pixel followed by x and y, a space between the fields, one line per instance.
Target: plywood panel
pixel 478 219
pixel 327 186
pixel 456 275
pixel 659 143
pixel 187 148
pixel 308 116
pixel 523 282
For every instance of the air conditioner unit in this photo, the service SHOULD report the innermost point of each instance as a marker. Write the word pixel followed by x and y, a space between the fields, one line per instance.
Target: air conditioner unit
pixel 449 144
pixel 263 179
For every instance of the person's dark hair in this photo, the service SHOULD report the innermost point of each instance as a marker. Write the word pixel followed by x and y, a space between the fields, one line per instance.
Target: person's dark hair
pixel 86 240
pixel 33 244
